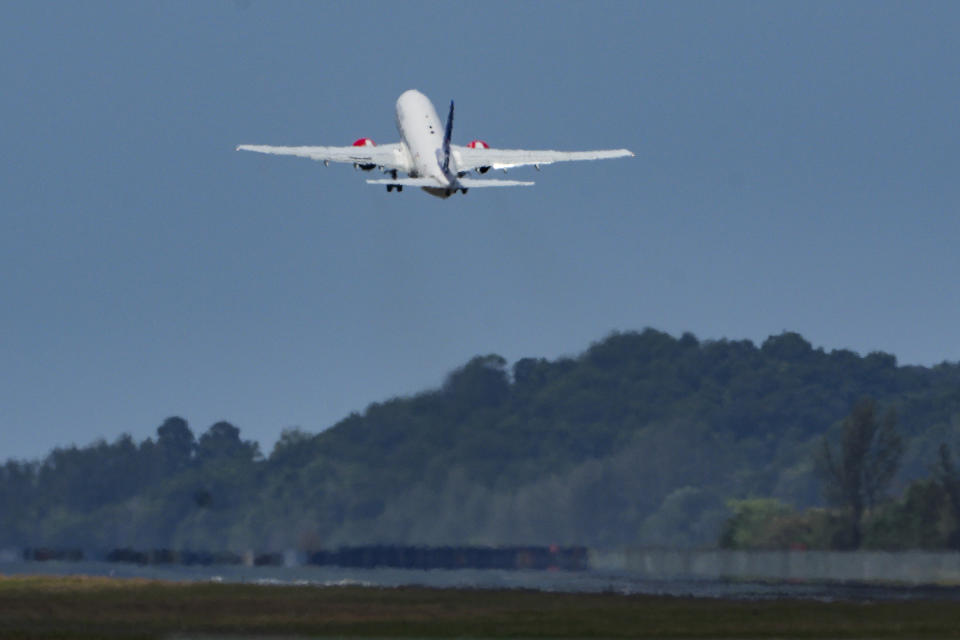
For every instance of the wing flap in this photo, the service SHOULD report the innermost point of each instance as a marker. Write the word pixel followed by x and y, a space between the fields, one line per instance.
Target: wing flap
pixel 475 183
pixel 468 158
pixel 390 156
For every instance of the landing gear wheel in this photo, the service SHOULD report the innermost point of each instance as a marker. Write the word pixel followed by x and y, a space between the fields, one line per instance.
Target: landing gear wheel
pixel 389 188
pixel 464 191
pixel 399 187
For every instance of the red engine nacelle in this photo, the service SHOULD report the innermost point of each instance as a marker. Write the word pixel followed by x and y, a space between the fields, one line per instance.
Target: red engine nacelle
pixel 479 144
pixel 365 142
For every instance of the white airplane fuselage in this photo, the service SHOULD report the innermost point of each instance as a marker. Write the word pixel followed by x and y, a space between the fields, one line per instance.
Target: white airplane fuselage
pixel 421 132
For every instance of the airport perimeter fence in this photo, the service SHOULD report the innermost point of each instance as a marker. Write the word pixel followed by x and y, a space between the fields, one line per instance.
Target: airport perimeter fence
pixel 879 567
pixel 359 557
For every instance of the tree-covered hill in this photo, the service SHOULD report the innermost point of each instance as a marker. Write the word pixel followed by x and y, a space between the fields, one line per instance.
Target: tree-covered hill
pixel 639 440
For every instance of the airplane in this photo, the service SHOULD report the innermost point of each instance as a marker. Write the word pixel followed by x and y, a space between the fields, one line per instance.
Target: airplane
pixel 427 157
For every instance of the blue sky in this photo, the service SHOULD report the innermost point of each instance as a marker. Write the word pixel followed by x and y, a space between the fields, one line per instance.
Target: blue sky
pixel 796 170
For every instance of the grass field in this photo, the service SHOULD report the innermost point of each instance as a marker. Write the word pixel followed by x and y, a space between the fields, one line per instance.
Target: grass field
pixel 81 607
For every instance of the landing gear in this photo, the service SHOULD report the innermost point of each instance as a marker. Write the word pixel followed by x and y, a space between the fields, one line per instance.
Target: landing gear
pixel 391 187
pixel 463 191
pixel 399 187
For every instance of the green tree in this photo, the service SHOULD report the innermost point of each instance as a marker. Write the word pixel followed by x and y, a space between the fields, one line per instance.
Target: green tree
pixel 175 443
pixel 748 526
pixel 481 383
pixel 857 475
pixel 945 473
pixel 294 448
pixel 222 440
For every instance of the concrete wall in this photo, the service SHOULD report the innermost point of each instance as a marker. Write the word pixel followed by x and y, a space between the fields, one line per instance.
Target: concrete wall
pixel 907 567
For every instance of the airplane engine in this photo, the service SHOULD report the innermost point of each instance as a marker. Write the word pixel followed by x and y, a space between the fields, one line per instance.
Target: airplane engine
pixel 364 142
pixel 479 144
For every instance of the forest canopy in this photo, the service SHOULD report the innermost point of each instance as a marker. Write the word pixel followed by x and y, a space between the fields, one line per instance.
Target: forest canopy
pixel 643 439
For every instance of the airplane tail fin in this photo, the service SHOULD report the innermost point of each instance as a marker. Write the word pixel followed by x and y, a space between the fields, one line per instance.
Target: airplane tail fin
pixel 445 149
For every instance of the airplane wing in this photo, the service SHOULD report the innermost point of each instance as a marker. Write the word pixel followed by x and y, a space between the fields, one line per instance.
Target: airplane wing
pixel 467 158
pixel 388 156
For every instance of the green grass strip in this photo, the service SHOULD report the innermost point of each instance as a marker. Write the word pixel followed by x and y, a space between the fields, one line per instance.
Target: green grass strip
pixel 82 607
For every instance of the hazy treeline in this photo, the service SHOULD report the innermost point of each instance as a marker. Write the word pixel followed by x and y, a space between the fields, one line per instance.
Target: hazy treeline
pixel 642 439
pixel 860 514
